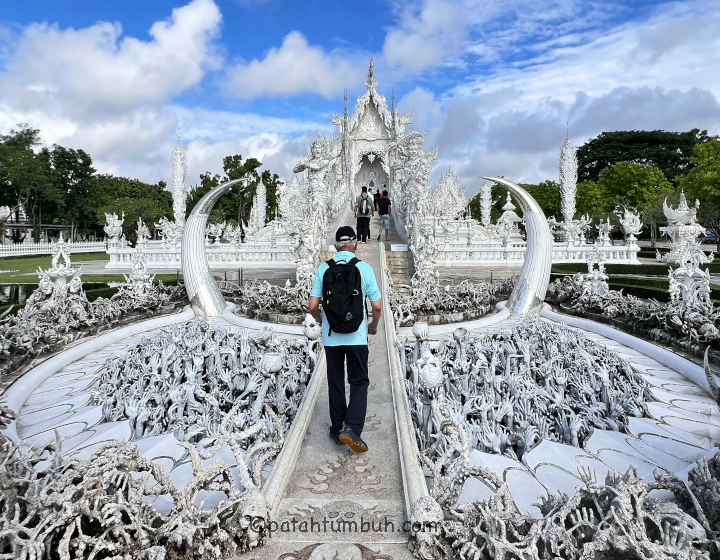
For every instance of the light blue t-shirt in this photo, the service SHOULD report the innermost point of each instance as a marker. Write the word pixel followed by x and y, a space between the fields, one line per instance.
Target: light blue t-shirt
pixel 370 290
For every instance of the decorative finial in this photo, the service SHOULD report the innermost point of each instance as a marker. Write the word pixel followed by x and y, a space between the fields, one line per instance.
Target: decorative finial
pixel 371 82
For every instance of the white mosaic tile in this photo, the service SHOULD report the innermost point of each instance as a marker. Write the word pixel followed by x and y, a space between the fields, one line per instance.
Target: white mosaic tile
pixel 525 490
pixel 557 479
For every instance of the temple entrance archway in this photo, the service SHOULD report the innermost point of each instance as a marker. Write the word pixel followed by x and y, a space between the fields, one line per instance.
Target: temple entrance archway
pixel 371 171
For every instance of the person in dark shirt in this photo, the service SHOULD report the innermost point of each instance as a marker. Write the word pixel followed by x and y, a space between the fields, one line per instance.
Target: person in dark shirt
pixel 376 196
pixel 384 207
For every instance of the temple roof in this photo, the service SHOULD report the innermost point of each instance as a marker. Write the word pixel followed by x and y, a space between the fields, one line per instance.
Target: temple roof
pixel 370 95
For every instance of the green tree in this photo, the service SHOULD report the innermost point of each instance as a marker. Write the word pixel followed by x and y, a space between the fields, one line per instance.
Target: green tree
pixel 631 184
pixel 592 199
pixel 133 197
pixel 74 174
pixel 272 182
pixel 703 181
pixel 669 151
pixel 235 206
pixel 547 195
pixel 26 174
pixel 652 212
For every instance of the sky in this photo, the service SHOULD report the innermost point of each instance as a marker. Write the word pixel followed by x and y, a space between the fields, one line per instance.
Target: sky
pixel 495 84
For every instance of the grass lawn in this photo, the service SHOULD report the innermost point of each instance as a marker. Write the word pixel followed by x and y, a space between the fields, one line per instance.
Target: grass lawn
pixel 29 265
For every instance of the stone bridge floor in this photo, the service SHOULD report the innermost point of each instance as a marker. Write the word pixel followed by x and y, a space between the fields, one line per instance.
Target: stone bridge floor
pixel 355 501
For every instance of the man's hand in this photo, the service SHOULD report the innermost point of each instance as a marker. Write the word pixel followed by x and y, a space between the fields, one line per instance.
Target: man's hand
pixel 376 311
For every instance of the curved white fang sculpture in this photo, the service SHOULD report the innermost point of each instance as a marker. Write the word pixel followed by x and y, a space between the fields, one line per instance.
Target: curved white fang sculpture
pixel 202 290
pixel 529 293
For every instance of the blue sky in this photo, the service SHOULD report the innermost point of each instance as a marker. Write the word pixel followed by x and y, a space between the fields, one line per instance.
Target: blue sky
pixel 493 83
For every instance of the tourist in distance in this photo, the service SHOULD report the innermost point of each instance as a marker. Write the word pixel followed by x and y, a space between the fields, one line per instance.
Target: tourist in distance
pixel 363 212
pixel 376 197
pixel 384 207
pixel 342 284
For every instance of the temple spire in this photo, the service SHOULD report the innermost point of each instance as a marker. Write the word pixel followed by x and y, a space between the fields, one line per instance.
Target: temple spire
pixel 371 82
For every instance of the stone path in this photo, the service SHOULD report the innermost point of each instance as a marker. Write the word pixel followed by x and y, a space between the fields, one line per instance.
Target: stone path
pixel 343 504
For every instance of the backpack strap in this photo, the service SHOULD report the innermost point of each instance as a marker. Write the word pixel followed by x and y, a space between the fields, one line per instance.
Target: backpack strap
pixel 330 263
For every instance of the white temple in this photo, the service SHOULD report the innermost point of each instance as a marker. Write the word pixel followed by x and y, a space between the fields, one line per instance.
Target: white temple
pixel 372 149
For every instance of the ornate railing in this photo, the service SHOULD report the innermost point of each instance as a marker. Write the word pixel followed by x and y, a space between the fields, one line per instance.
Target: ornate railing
pixel 22 249
pixel 261 254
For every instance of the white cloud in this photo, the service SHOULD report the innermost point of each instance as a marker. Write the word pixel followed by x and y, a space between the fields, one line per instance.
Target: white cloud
pixel 97 69
pixel 293 68
pixel 655 72
pixel 427 34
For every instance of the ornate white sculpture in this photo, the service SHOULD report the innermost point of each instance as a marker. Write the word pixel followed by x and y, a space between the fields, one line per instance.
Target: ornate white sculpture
pixel 683 231
pixel 143 233
pixel 568 168
pixel 604 229
pixel 617 517
pixel 505 404
pixel 507 225
pixel 485 203
pixel 179 180
pixel 449 200
pixel 106 501
pixel 258 210
pixel 689 286
pixel 113 229
pixel 311 229
pixel 216 230
pixel 139 280
pixel 58 311
pixel 188 393
pixel 631 225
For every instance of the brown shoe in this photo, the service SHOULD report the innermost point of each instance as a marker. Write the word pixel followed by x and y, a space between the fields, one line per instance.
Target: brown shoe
pixel 350 438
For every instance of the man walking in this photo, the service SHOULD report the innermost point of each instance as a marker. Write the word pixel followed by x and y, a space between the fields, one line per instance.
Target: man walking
pixel 363 212
pixel 385 210
pixel 342 284
pixel 376 197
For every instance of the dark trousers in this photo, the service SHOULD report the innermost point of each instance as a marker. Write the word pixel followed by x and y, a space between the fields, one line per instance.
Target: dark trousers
pixel 363 228
pixel 352 413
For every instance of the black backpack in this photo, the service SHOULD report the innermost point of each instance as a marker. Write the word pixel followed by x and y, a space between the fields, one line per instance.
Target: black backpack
pixel 343 296
pixel 364 206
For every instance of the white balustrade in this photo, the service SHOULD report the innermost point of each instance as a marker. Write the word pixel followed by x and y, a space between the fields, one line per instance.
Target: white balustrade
pixel 23 249
pixel 162 255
